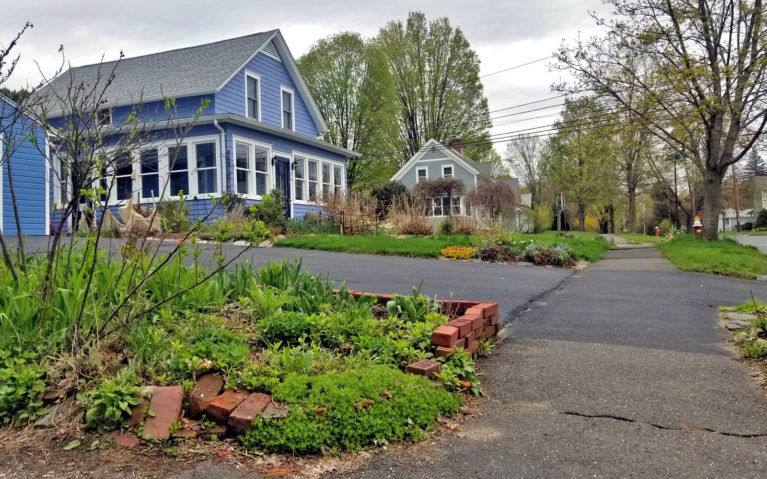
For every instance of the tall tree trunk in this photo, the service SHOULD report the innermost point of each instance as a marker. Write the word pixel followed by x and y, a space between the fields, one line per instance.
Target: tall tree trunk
pixel 612 219
pixel 632 213
pixel 712 205
pixel 581 216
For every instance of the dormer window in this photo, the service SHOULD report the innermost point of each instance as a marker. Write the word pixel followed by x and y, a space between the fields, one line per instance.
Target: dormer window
pixel 288 119
pixel 104 117
pixel 253 96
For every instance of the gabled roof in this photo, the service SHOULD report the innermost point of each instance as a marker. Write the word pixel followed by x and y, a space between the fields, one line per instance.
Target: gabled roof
pixel 483 169
pixel 197 70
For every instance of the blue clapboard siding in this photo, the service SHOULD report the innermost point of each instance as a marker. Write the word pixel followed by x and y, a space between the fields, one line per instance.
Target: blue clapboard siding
pixel 28 165
pixel 231 98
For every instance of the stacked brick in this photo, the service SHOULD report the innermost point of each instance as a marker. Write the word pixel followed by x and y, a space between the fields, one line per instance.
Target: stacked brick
pixel 475 322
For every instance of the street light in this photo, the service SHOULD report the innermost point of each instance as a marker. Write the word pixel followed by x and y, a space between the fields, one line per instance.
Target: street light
pixel 675 158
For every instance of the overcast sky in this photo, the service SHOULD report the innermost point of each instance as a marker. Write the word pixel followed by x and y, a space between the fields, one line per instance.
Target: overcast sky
pixel 504 33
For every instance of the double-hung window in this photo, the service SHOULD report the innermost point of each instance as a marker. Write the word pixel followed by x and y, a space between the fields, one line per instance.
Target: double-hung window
pixel 338 180
pixel 456 206
pixel 149 173
pixel 242 168
pixel 252 96
pixel 288 120
pixel 123 177
pixel 262 174
pixel 447 172
pixel 178 159
pixel 312 167
pixel 421 174
pixel 299 177
pixel 205 155
pixel 326 179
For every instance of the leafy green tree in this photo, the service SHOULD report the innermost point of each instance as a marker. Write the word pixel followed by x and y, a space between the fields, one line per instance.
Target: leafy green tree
pixel 706 67
pixel 578 158
pixel 754 165
pixel 350 81
pixel 436 78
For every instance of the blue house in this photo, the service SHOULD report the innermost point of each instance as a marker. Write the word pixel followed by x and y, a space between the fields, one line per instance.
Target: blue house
pixel 28 170
pixel 261 129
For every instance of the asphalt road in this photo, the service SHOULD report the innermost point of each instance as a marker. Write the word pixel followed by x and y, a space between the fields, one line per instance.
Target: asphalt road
pixel 617 371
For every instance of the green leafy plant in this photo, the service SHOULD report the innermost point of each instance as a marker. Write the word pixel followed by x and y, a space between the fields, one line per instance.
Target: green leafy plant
pixel 270 210
pixel 350 410
pixel 445 227
pixel 459 367
pixel 110 402
pixel 174 215
pixel 258 377
pixel 264 302
pixel 287 328
pixel 21 381
pixel 208 348
pixel 411 308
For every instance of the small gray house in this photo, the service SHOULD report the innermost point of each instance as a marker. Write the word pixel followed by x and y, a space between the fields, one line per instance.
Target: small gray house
pixel 435 160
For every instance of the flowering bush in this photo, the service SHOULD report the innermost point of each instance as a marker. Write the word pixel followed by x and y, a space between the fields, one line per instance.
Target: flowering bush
pixel 548 255
pixel 458 252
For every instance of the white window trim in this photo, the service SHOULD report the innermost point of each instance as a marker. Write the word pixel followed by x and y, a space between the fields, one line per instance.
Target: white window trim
pixel 252 144
pixel 292 108
pixel 452 170
pixel 320 160
pixel 162 158
pixel 109 121
pixel 443 215
pixel 419 169
pixel 258 94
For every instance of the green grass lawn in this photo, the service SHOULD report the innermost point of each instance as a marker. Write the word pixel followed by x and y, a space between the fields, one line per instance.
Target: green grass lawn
pixel 636 238
pixel 725 256
pixel 588 246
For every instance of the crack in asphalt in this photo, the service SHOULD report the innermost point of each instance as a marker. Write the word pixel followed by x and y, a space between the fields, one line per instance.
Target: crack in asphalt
pixel 516 313
pixel 660 426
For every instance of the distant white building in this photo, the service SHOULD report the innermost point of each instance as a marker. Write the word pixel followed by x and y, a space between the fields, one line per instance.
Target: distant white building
pixel 728 221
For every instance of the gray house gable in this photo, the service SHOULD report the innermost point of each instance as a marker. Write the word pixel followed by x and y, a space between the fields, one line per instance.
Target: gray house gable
pixel 433 157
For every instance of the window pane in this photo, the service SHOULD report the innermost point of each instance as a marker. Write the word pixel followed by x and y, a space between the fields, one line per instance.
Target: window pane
pixel 206 181
pixel 124 188
pixel 286 103
pixel 261 183
pixel 124 165
pixel 325 173
pixel 447 172
pixel 312 189
pixel 242 181
pixel 150 186
pixel 179 183
pixel 312 170
pixel 178 160
pixel 299 170
pixel 299 189
pixel 206 155
pixel 242 155
pixel 337 175
pixel 149 163
pixel 260 159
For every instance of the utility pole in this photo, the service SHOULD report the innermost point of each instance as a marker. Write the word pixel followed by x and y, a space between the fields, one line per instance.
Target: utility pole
pixel 675 158
pixel 735 193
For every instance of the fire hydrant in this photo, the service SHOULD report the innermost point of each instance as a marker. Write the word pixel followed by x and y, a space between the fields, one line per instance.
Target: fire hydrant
pixel 697 226
pixel 657 231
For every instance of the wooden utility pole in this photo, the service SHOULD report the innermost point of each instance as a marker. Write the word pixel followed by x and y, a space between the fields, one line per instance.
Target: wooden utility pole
pixel 735 193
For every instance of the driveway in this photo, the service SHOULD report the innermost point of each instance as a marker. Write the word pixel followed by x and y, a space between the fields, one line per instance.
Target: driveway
pixel 760 241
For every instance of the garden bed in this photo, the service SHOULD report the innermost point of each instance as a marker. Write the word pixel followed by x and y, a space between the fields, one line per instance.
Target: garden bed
pixel 280 359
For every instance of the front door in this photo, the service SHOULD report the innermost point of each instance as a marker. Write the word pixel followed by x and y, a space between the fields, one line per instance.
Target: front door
pixel 282 180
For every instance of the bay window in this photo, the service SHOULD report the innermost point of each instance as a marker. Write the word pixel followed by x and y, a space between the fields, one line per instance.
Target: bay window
pixel 149 173
pixel 178 158
pixel 205 155
pixel 242 170
pixel 312 179
pixel 298 178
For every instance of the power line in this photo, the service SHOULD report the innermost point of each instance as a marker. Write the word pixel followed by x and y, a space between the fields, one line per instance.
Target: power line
pixel 516 66
pixel 529 103
pixel 528 111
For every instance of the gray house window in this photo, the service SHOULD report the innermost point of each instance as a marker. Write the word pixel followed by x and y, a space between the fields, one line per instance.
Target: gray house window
pixel 252 96
pixel 206 167
pixel 179 170
pixel 287 110
pixel 421 174
pixel 447 172
pixel 149 169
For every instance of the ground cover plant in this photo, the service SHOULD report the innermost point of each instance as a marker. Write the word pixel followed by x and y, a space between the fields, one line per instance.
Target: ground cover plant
pixel 724 256
pixel 751 338
pixel 337 362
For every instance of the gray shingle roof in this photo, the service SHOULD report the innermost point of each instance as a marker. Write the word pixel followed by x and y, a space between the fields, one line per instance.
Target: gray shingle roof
pixel 183 72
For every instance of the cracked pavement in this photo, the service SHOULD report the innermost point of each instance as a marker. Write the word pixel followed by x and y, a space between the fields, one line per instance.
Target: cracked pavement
pixel 622 371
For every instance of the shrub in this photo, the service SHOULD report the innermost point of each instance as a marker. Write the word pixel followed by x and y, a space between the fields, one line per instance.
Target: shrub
pixel 311 224
pixel 547 255
pixel 761 219
pixel 458 252
pixel 445 227
pixel 494 198
pixel 110 403
pixel 270 210
pixel 350 410
pixel 174 215
pixel 497 254
pixel 542 218
pixel 386 195
pixel 464 225
pixel 409 218
pixel 666 227
pixel 354 212
pixel 21 381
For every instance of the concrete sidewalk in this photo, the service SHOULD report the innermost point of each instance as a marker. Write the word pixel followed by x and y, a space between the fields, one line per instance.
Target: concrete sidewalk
pixel 621 372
